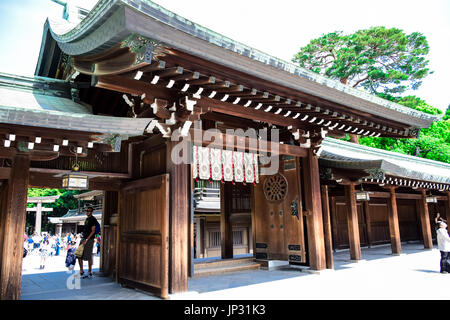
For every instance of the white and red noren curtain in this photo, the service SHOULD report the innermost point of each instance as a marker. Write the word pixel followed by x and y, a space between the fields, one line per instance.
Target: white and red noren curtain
pixel 224 165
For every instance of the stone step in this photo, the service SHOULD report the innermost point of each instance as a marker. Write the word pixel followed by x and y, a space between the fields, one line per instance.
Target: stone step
pixel 222 262
pixel 226 269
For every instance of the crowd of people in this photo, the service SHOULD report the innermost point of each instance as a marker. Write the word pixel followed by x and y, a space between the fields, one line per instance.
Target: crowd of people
pixel 47 245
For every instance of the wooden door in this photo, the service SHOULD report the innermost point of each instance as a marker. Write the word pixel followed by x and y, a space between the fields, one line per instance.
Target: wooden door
pixel 144 234
pixel 279 232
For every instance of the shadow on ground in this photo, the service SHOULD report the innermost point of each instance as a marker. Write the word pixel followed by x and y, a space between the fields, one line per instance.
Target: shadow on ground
pixel 69 286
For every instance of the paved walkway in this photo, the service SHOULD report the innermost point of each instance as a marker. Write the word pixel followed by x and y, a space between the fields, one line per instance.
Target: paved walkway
pixel 412 275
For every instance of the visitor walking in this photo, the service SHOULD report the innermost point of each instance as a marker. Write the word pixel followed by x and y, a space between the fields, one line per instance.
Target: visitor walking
pixel 443 242
pixel 44 252
pixel 57 246
pixel 90 226
pixel 71 259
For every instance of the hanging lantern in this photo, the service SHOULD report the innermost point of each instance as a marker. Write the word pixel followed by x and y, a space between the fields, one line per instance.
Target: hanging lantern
pixel 75 180
pixel 362 195
pixel 431 199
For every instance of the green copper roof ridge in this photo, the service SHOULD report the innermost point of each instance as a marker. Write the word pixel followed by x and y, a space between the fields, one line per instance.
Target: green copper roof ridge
pixel 332 142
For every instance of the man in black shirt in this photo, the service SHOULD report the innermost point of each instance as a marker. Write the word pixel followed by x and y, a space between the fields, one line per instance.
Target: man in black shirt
pixel 88 241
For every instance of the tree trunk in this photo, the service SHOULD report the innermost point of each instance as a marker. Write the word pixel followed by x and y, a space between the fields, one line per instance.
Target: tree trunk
pixel 354 138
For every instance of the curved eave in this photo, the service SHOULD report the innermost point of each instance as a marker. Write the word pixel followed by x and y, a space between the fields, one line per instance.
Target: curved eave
pixel 344 155
pixel 43 102
pixel 110 22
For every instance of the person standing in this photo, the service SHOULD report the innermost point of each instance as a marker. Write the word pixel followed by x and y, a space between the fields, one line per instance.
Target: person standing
pixel 58 245
pixel 443 242
pixel 44 251
pixel 87 240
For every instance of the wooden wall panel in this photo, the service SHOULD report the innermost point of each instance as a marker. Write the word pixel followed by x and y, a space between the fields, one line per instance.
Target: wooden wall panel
pixel 340 227
pixel 379 223
pixel 153 161
pixel 408 221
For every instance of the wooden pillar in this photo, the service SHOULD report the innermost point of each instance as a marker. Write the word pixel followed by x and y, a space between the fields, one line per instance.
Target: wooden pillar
pixel 394 229
pixel 253 219
pixel 119 212
pixel 179 220
pixel 13 217
pixel 334 218
pixel 447 208
pixel 226 232
pixel 203 237
pixel 352 222
pixel 366 206
pixel 425 221
pixel 327 228
pixel 109 207
pixel 313 208
pixel 191 224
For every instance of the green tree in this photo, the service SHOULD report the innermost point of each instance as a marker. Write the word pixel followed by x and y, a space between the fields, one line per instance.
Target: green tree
pixel 447 113
pixel 65 202
pixel 378 59
pixel 432 143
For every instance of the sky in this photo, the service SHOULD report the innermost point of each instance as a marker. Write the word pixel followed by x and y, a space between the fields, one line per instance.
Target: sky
pixel 278 28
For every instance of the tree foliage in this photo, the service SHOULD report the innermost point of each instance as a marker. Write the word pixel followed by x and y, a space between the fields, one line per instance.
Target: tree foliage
pixel 432 143
pixel 378 59
pixel 65 202
pixel 385 62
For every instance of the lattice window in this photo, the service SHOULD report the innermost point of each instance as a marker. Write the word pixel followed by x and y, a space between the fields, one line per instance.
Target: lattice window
pixel 214 239
pixel 238 237
pixel 275 187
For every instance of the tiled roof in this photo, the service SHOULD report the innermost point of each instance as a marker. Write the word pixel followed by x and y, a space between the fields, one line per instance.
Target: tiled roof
pixel 47 103
pixel 346 155
pixel 106 25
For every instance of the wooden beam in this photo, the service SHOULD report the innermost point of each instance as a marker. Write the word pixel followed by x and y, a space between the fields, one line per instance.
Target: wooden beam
pixel 226 233
pixel 202 81
pixel 143 184
pixel 422 205
pixel 12 224
pixel 39 180
pixel 91 174
pixel 170 72
pixel 246 112
pixel 313 208
pixel 327 228
pixel 157 65
pixel 249 144
pixel 352 222
pixel 157 108
pixel 394 229
pixel 131 86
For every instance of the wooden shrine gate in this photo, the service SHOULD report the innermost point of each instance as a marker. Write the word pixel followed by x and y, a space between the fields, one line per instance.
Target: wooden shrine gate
pixel 144 234
pixel 278 225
